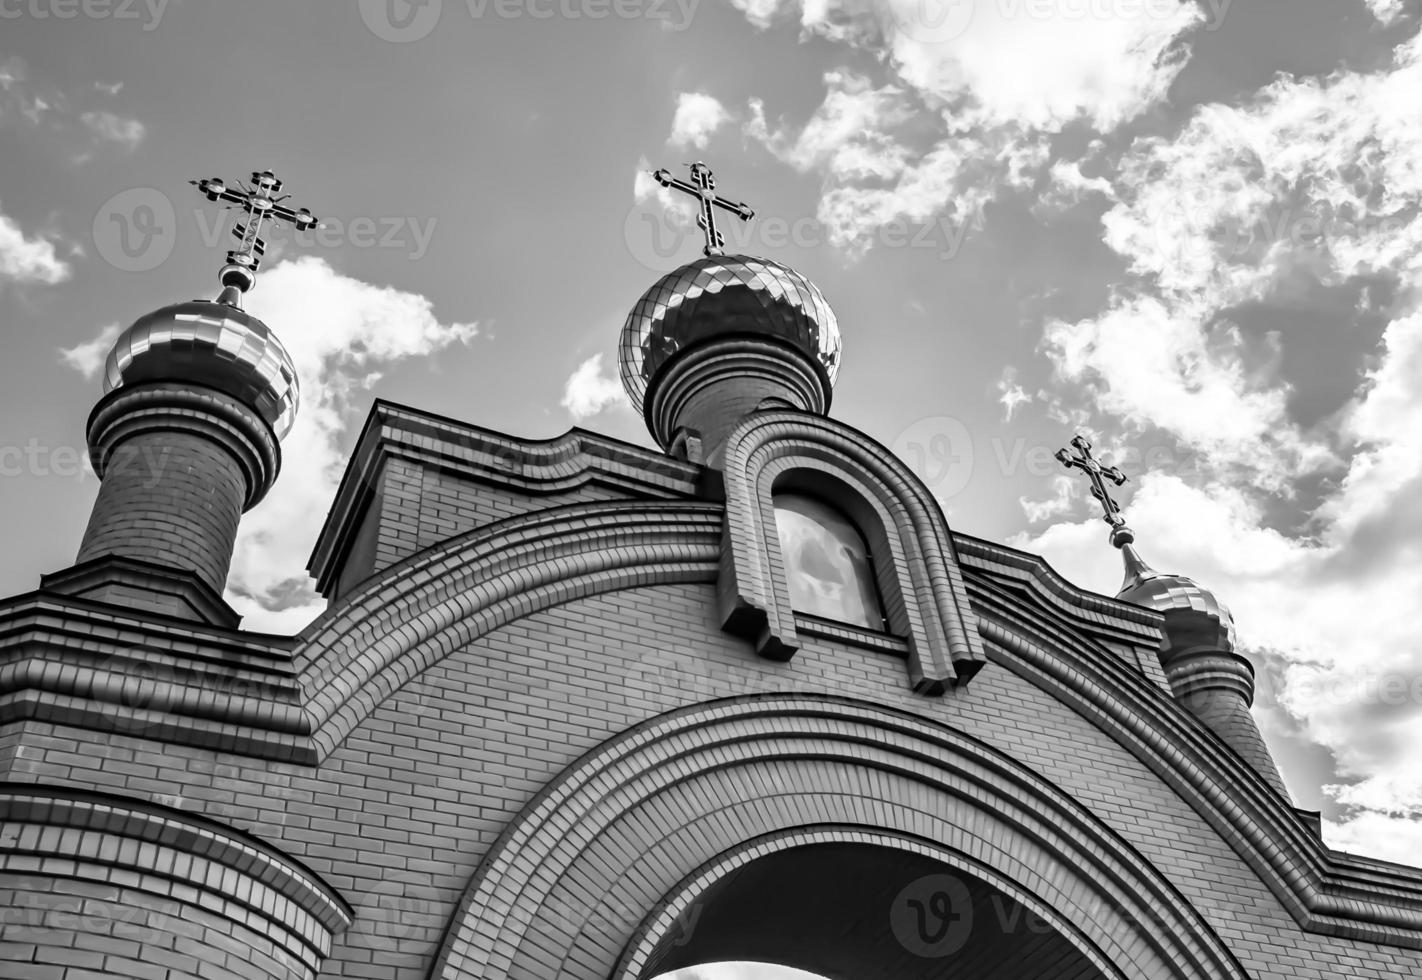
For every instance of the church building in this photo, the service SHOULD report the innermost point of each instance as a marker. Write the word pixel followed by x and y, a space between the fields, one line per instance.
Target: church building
pixel 583 710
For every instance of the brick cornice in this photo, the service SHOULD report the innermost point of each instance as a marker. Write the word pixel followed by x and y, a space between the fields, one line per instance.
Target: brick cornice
pixel 175 856
pixel 1325 892
pixel 419 611
pixel 529 466
pixel 188 408
pixel 626 824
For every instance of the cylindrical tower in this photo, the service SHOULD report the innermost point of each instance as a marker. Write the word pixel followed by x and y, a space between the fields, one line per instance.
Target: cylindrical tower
pixel 714 339
pixel 1198 655
pixel 186 437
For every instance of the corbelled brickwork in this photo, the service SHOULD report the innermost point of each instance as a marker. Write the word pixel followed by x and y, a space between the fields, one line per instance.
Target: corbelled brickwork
pixel 522 744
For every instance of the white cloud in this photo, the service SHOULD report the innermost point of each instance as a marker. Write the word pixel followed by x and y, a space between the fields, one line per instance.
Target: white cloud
pixel 697 118
pixel 1387 12
pixel 25 260
pixel 112 128
pixel 88 356
pixel 1021 62
pixel 1315 181
pixel 1011 395
pixel 339 331
pixel 589 391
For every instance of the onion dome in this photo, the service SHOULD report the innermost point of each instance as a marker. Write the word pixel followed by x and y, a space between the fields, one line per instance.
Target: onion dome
pixel 214 344
pixel 1210 624
pixel 723 297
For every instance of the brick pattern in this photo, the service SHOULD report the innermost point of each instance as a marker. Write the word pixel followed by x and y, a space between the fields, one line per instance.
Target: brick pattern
pixel 402 812
pixel 178 465
pixel 629 823
pixel 99 887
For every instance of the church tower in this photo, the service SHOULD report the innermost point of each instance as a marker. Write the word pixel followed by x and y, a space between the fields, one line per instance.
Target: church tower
pixel 1197 646
pixel 197 397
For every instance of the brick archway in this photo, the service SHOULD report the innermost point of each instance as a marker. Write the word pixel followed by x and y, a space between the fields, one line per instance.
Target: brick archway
pixel 853 904
pixel 580 878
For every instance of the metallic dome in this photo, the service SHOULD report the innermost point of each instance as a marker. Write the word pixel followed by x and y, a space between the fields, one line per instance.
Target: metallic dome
pixel 725 295
pixel 1155 590
pixel 212 344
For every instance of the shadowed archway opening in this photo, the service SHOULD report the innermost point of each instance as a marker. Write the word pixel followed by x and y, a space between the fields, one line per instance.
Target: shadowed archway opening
pixel 852 911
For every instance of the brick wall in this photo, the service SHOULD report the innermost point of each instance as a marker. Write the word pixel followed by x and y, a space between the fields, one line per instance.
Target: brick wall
pixel 398 817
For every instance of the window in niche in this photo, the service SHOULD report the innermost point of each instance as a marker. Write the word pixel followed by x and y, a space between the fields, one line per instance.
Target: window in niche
pixel 826 562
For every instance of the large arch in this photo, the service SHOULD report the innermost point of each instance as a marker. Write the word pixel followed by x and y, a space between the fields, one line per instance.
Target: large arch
pixel 567 890
pixel 853 904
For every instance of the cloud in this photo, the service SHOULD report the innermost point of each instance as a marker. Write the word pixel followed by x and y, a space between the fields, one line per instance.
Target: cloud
pixel 698 116
pixel 107 126
pixel 588 391
pixel 1387 12
pixel 1308 181
pixel 109 88
pixel 1034 65
pixel 88 357
pixel 27 260
pixel 1011 395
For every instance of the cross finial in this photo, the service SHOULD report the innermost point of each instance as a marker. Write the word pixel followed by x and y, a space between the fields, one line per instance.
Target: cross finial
pixel 260 204
pixel 703 187
pixel 1098 474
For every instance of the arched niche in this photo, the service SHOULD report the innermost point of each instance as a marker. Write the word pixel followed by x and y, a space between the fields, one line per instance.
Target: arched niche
pixel 925 597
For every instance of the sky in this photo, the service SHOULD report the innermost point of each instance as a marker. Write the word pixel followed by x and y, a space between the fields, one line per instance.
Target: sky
pixel 1189 229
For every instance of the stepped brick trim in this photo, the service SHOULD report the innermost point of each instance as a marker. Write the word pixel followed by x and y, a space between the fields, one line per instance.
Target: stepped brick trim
pixel 925 597
pixel 168 881
pixel 628 822
pixel 531 466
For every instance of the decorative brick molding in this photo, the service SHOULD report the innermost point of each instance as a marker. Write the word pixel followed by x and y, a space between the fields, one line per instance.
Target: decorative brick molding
pixel 423 609
pixel 709 388
pixel 925 598
pixel 532 467
pixel 179 464
pixel 634 821
pixel 1326 892
pixel 665 925
pixel 172 890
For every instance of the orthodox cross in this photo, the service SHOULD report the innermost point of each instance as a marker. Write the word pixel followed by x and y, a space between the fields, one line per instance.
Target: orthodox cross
pixel 1098 475
pixel 260 204
pixel 703 187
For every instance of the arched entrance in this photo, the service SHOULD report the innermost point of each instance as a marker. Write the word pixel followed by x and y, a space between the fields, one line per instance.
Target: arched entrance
pixel 599 876
pixel 862 911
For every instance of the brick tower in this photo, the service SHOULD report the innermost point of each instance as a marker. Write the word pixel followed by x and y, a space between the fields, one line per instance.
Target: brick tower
pixel 197 397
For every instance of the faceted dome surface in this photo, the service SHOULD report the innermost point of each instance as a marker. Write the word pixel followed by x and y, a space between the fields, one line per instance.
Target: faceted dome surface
pixel 725 295
pixel 212 344
pixel 1163 593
